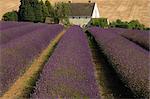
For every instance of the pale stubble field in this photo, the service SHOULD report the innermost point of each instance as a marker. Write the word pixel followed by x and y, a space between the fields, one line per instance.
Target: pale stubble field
pixel 112 9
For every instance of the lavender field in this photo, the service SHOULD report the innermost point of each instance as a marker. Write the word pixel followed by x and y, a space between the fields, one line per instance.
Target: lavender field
pixel 129 60
pixel 9 24
pixel 6 34
pixel 17 54
pixel 70 70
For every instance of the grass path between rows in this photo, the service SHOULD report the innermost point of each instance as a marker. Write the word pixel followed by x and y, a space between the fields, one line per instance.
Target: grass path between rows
pixel 24 86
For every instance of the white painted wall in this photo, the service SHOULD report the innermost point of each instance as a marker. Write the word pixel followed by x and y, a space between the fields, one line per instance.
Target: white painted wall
pixel 82 21
pixel 96 13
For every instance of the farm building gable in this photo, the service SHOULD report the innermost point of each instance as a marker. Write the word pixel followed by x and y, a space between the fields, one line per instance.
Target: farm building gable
pixel 81 9
pixel 81 13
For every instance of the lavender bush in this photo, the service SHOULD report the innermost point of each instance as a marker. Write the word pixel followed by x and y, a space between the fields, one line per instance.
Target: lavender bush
pixel 13 33
pixel 17 55
pixel 139 37
pixel 117 30
pixel 128 59
pixel 11 24
pixel 69 72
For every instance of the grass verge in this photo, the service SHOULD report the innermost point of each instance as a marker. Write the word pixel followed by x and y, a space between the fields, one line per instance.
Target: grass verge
pixel 22 88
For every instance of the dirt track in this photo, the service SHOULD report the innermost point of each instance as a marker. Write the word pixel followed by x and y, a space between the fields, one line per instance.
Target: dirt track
pixel 113 9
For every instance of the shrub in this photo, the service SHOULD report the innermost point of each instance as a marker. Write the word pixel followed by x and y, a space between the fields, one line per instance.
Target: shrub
pixel 133 24
pixel 118 23
pixel 102 22
pixel 10 16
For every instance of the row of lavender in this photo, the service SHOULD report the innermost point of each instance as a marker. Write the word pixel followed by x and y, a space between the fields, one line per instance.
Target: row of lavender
pixel 19 53
pixel 9 34
pixel 69 73
pixel 128 59
pixel 142 38
pixel 11 24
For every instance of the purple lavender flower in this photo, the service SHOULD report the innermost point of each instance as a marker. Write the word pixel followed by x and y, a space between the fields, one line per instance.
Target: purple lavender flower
pixel 139 37
pixel 69 72
pixel 18 54
pixel 128 59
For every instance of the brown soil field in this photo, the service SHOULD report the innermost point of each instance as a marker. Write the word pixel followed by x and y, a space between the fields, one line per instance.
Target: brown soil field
pixel 112 9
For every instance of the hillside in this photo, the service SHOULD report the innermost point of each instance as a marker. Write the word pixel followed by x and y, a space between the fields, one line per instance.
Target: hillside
pixel 113 9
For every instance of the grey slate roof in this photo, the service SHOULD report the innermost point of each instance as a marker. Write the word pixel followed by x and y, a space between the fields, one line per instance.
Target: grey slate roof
pixel 81 9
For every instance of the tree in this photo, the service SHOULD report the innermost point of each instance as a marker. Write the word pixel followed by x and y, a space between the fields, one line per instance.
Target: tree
pixel 44 10
pixel 26 11
pixel 61 12
pixel 30 10
pixel 37 10
pixel 49 8
pixel 38 13
pixel 10 16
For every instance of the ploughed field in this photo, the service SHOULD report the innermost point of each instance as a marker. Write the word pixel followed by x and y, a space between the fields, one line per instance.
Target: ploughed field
pixel 44 61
